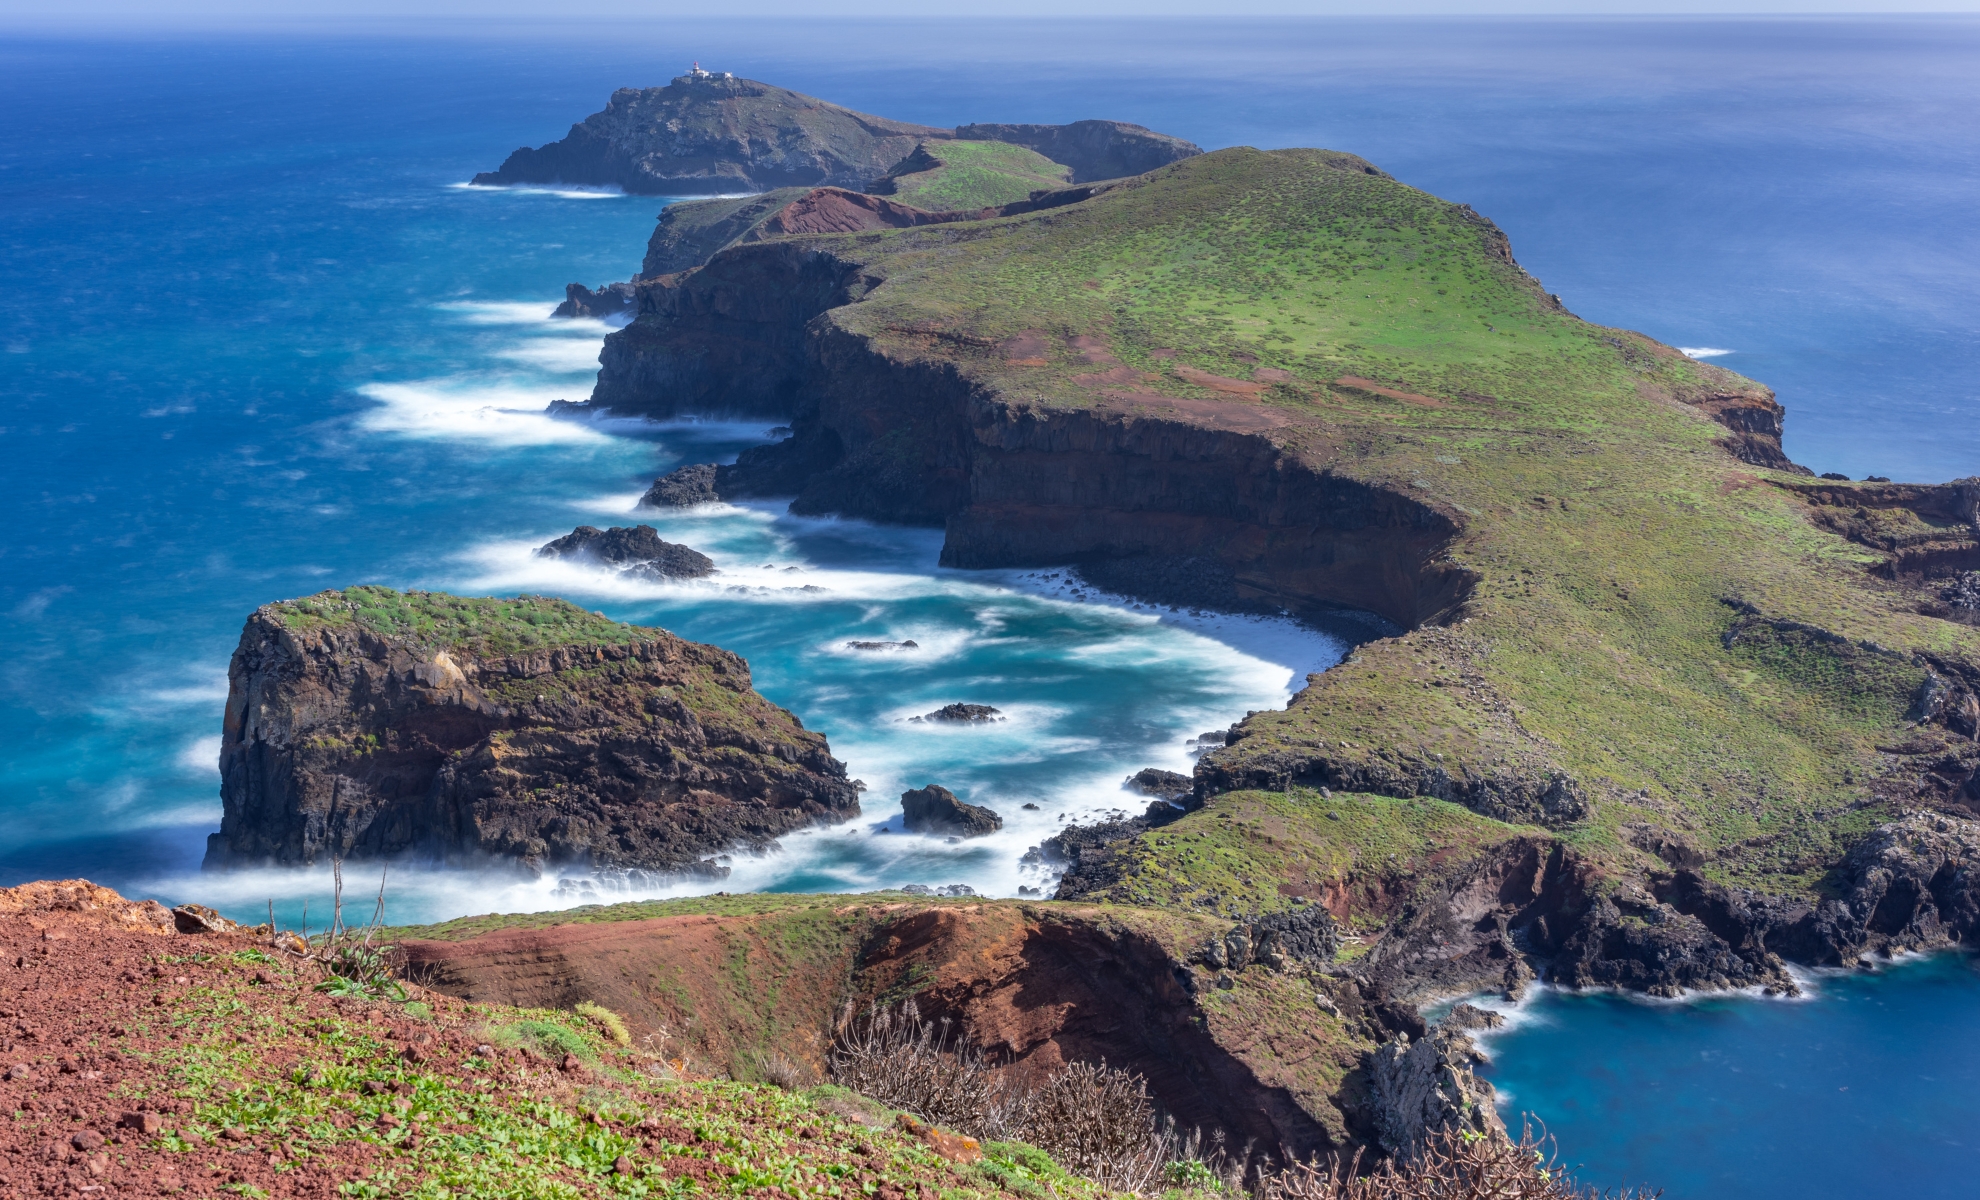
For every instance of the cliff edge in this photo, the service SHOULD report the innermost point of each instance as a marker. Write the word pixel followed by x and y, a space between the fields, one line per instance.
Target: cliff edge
pixel 368 723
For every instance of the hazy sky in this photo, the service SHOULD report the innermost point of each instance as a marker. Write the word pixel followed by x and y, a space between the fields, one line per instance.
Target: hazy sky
pixel 130 14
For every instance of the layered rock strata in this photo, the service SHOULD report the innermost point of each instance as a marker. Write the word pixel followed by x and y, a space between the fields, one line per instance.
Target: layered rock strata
pixel 370 723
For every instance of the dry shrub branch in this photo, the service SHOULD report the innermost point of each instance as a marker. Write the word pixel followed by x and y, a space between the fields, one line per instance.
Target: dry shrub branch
pixel 1453 1165
pixel 1094 1120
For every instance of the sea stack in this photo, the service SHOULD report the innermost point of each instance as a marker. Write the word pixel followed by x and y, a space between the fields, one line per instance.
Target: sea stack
pixel 370 723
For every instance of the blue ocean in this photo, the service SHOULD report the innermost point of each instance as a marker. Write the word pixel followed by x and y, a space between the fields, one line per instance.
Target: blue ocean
pixel 256 340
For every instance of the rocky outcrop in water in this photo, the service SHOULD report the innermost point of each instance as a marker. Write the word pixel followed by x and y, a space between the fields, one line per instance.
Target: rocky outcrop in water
pixel 935 809
pixel 961 714
pixel 370 723
pixel 609 300
pixel 1173 786
pixel 683 488
pixel 636 551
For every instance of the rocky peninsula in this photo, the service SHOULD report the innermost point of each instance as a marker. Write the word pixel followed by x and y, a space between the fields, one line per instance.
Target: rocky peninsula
pixel 1286 382
pixel 370 723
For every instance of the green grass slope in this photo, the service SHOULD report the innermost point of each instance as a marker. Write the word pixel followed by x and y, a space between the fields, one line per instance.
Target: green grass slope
pixel 950 176
pixel 1634 627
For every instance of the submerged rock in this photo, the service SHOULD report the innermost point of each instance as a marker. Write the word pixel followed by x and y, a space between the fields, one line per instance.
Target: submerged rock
pixel 935 809
pixel 910 644
pixel 636 550
pixel 962 714
pixel 684 487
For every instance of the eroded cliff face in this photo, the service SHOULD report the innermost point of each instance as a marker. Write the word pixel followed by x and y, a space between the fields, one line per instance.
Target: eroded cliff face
pixel 630 749
pixel 1034 986
pixel 1179 502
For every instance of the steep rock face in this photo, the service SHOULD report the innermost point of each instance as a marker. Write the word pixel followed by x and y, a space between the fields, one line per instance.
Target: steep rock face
pixel 704 135
pixel 691 233
pixel 368 723
pixel 1428 1086
pixel 1093 149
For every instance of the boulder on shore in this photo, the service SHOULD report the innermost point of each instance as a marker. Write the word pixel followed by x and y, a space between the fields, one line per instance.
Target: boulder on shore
pixel 636 550
pixel 935 809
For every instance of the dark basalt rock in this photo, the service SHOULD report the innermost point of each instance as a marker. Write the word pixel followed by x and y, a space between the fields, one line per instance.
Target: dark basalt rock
pixel 1276 940
pixel 637 550
pixel 1424 1087
pixel 935 809
pixel 610 300
pixel 1163 785
pixel 962 714
pixel 521 730
pixel 1470 1016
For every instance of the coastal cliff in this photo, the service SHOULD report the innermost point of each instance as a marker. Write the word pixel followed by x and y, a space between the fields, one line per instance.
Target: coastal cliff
pixel 370 723
pixel 1629 637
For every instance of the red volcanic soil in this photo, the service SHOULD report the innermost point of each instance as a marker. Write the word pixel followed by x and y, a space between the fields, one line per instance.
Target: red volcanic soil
pixel 139 1061
pixel 90 985
pixel 1035 985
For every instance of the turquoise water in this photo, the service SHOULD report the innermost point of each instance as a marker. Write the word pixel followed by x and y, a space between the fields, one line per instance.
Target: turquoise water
pixel 254 342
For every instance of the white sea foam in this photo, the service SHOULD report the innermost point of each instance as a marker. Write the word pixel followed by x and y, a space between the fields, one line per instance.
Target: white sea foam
pixel 201 756
pixel 1701 351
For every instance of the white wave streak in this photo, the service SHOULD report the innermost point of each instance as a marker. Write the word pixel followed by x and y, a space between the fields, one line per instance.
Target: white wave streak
pixel 566 355
pixel 464 409
pixel 1701 351
pixel 562 193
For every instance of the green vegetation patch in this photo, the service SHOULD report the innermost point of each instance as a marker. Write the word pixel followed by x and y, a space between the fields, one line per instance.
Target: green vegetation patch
pixel 948 176
pixel 479 625
pixel 330 1091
